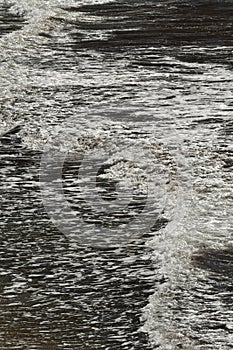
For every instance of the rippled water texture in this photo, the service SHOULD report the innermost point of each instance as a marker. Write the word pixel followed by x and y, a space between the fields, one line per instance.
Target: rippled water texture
pixel 153 79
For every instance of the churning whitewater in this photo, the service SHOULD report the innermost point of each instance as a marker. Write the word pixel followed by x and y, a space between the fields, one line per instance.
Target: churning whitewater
pixel 116 175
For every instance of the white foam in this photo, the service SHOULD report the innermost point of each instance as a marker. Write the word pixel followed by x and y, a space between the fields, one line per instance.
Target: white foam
pixel 204 209
pixel 36 8
pixel 180 304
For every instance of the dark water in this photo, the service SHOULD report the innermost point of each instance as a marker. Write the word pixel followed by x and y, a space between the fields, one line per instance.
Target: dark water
pixel 152 71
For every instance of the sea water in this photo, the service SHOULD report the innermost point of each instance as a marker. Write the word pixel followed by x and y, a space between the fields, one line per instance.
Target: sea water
pixel 116 191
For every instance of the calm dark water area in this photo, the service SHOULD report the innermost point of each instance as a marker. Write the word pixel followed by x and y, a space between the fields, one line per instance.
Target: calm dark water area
pixel 154 72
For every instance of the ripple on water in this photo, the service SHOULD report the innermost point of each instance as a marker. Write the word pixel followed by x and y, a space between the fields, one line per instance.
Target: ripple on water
pixel 166 64
pixel 9 22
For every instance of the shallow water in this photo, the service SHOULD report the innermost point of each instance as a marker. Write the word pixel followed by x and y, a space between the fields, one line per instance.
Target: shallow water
pixel 145 82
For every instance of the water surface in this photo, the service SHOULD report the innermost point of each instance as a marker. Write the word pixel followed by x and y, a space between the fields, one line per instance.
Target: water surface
pixel 139 72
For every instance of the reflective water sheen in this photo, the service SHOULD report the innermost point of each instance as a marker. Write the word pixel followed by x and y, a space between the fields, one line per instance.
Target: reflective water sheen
pixel 147 76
